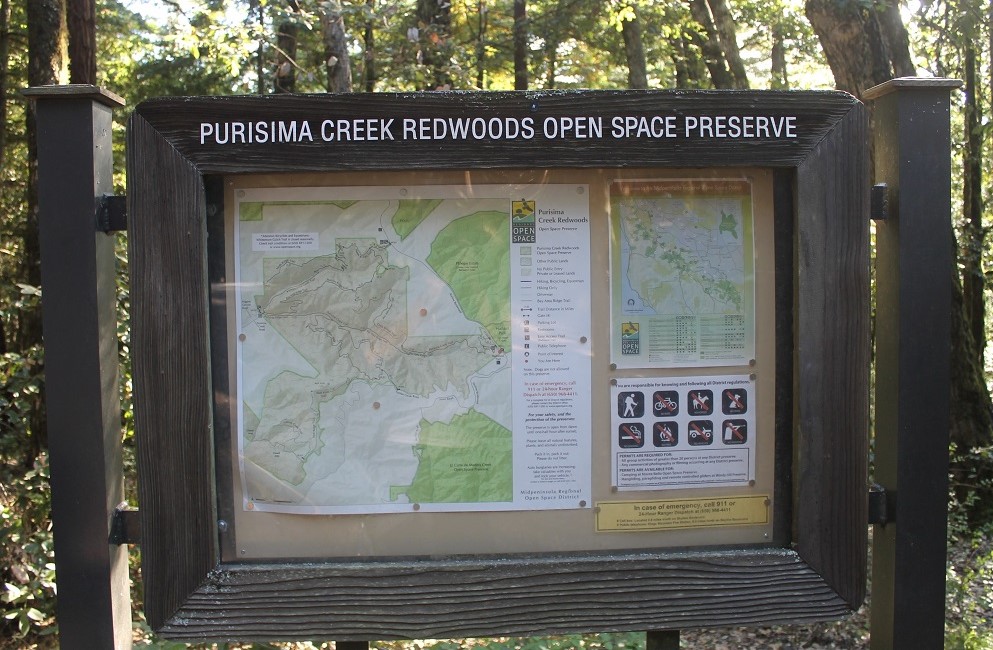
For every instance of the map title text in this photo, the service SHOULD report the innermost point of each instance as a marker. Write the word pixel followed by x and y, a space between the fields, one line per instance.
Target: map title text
pixel 597 127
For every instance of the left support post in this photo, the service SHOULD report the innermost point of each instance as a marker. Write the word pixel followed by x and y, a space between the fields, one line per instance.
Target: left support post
pixel 79 293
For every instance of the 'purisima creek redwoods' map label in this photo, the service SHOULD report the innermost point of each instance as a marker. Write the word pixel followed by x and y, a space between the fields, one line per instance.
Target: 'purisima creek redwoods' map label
pixel 397 351
pixel 508 129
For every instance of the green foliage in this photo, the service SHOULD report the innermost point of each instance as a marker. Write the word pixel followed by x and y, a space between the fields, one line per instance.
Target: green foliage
pixel 970 492
pixel 969 596
pixel 606 641
pixel 27 602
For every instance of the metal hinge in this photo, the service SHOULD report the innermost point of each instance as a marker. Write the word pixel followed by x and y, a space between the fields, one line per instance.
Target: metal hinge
pixel 879 202
pixel 125 525
pixel 112 213
pixel 881 506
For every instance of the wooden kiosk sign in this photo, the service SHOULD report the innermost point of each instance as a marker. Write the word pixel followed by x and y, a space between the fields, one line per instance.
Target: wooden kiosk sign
pixel 467 364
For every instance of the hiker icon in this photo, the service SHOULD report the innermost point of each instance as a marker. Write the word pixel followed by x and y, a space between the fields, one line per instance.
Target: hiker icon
pixel 630 404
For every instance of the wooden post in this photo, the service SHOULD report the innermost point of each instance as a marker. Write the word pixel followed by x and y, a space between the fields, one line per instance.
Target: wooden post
pixel 81 365
pixel 914 268
pixel 662 640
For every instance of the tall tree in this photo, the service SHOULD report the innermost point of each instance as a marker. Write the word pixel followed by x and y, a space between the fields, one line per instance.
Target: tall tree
pixel 335 47
pixel 707 39
pixel 727 34
pixel 634 49
pixel 852 39
pixel 434 19
pixel 520 45
pixel 81 16
pixel 973 235
pixel 369 49
pixel 287 32
pixel 47 65
pixel 779 78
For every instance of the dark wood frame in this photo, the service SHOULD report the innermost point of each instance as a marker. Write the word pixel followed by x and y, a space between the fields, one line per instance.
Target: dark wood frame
pixel 817 572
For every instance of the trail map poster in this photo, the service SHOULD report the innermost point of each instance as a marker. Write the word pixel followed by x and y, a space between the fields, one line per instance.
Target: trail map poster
pixel 682 273
pixel 413 348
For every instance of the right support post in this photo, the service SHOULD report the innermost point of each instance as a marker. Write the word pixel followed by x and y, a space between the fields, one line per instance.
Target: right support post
pixel 914 274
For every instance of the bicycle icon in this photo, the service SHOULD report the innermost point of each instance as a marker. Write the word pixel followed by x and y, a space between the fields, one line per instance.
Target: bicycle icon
pixel 665 403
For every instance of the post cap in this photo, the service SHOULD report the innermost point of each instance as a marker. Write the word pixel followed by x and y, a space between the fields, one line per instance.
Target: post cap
pixel 75 91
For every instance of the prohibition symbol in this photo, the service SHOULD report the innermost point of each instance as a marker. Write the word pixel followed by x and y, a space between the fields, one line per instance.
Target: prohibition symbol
pixel 700 402
pixel 734 401
pixel 630 435
pixel 665 434
pixel 700 432
pixel 665 403
pixel 735 432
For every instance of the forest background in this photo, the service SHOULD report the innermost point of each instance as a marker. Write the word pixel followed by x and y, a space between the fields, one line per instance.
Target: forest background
pixel 148 48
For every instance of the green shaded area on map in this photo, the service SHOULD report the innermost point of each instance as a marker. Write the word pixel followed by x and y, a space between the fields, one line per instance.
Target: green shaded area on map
pixel 411 213
pixel 252 210
pixel 467 460
pixel 729 224
pixel 472 256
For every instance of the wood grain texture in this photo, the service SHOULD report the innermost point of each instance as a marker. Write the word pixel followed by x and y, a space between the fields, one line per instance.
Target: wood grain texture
pixel 171 370
pixel 833 357
pixel 178 120
pixel 190 594
pixel 512 596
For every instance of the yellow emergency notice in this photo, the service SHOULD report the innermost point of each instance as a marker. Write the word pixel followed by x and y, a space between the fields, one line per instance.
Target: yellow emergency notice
pixel 620 516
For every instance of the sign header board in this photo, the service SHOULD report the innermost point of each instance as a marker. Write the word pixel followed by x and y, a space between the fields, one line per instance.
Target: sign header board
pixel 623 293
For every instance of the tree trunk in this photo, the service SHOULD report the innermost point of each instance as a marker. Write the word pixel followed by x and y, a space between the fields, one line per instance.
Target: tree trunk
pixel 520 45
pixel 852 41
pixel 710 45
pixel 728 35
pixel 897 40
pixel 285 78
pixel 971 254
pixel 690 70
pixel 81 20
pixel 635 52
pixel 4 67
pixel 779 81
pixel 256 6
pixel 481 24
pixel 336 48
pixel 369 51
pixel 435 22
pixel 47 59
